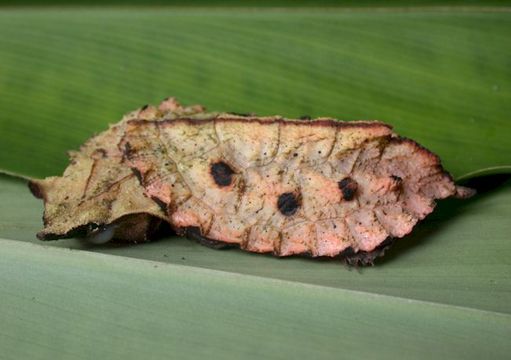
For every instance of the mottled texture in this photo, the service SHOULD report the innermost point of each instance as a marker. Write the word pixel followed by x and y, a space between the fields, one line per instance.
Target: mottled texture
pixel 266 184
pixel 98 189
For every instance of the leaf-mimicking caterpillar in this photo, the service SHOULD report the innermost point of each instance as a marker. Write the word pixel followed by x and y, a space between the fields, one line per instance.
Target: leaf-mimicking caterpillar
pixel 266 184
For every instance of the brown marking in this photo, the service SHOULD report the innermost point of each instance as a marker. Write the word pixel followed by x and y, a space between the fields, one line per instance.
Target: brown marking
pixel 320 122
pixel 99 154
pixel 398 183
pixel 221 173
pixel 163 205
pixel 348 187
pixel 288 203
pixel 91 174
pixel 138 175
pixel 128 150
pixel 397 179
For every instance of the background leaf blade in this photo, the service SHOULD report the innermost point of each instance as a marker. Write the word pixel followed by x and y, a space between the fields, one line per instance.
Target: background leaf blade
pixel 441 77
pixel 130 308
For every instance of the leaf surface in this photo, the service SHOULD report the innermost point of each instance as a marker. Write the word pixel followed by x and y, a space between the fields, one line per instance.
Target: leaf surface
pixel 85 305
pixel 440 76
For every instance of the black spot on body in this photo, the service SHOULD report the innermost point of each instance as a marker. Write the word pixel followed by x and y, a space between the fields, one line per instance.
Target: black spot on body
pixel 348 187
pixel 305 117
pixel 222 173
pixel 397 179
pixel 288 203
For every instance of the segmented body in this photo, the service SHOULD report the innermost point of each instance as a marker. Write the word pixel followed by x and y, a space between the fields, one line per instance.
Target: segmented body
pixel 287 187
pixel 320 187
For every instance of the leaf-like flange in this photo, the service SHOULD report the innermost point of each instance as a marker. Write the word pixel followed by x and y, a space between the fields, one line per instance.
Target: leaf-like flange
pixel 98 191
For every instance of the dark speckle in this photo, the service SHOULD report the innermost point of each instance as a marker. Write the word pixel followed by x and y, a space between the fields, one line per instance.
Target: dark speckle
pixel 397 179
pixel 100 152
pixel 305 117
pixel 163 205
pixel 348 187
pixel 128 151
pixel 222 173
pixel 241 114
pixel 144 107
pixel 288 203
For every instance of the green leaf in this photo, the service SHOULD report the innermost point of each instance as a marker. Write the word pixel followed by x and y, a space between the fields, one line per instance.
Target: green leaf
pixel 441 76
pixel 259 3
pixel 87 305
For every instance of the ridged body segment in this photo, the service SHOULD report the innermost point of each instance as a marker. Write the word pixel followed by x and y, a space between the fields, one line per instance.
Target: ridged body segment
pixel 392 182
pixel 266 184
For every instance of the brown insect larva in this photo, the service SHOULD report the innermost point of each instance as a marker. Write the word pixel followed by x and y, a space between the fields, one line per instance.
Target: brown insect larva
pixel 266 184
